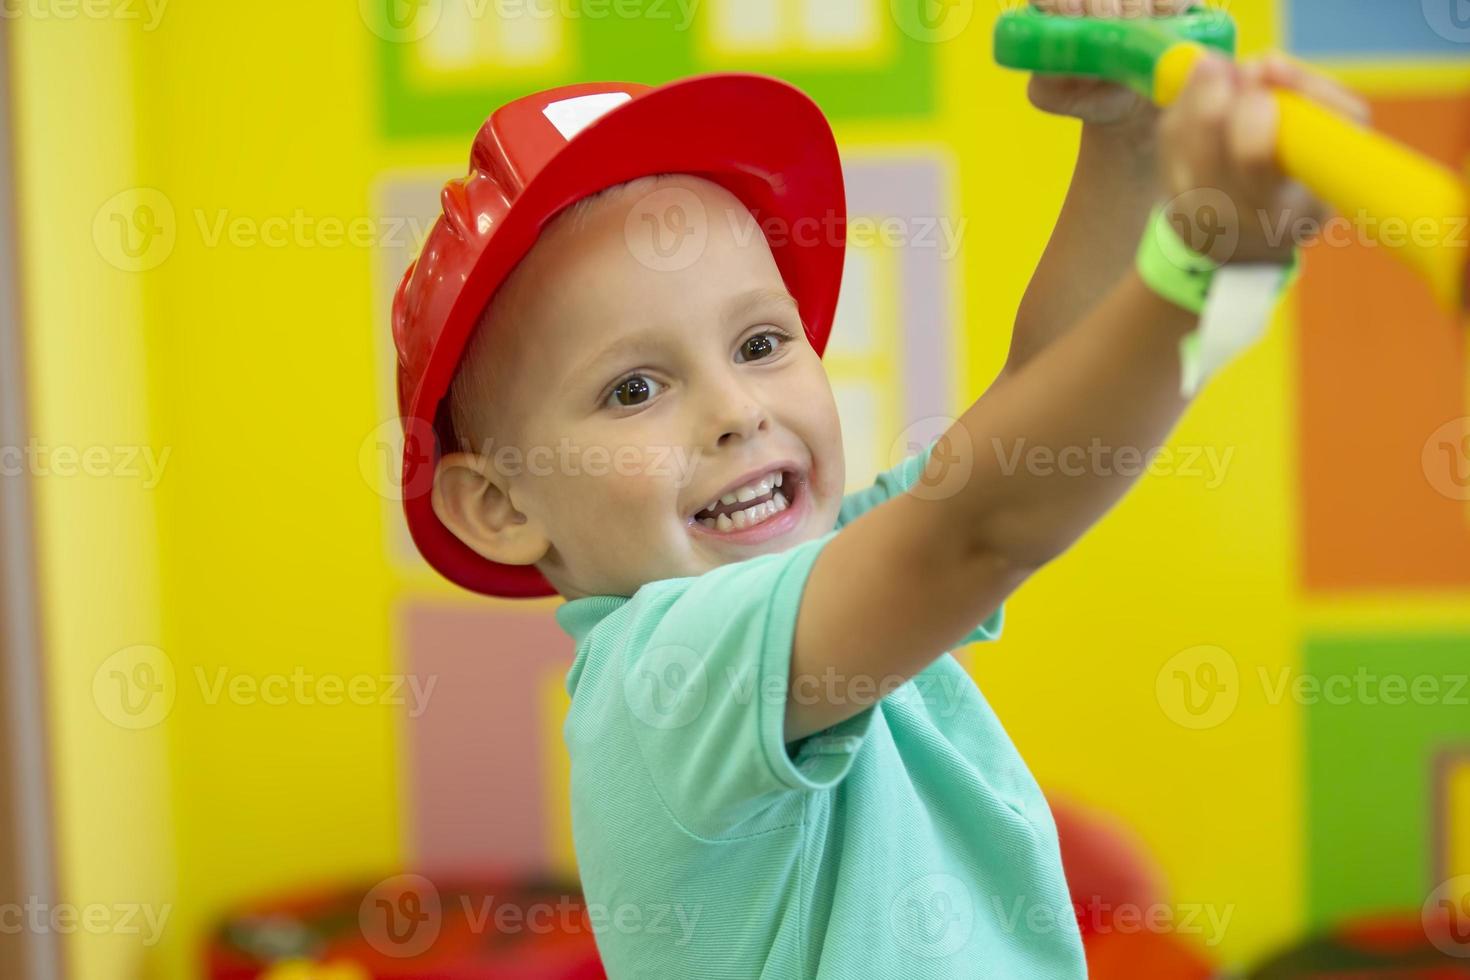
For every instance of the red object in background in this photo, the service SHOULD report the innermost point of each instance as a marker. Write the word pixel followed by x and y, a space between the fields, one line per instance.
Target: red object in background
pixel 410 928
pixel 1154 955
pixel 1106 866
pixel 1383 948
pixel 1117 891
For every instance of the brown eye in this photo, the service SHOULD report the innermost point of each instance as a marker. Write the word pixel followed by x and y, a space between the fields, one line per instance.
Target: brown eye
pixel 762 345
pixel 632 391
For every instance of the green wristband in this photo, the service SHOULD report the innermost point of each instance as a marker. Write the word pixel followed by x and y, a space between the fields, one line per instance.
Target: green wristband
pixel 1171 268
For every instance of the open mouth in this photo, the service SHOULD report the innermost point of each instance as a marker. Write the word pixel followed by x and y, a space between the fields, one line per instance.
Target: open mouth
pixel 752 504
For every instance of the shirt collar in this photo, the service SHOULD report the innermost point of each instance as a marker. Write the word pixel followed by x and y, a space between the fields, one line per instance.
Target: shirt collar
pixel 578 616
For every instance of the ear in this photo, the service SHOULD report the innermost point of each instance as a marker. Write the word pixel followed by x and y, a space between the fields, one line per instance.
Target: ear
pixel 473 501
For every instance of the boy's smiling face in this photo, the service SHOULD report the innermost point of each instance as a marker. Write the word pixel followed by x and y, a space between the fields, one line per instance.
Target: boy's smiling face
pixel 650 377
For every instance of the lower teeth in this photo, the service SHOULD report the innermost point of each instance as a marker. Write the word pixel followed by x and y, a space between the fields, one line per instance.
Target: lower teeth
pixel 749 517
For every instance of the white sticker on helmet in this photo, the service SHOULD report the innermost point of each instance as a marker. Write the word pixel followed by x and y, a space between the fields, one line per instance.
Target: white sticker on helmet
pixel 571 116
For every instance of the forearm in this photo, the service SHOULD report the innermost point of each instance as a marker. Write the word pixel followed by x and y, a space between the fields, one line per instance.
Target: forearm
pixel 1043 445
pixel 1114 185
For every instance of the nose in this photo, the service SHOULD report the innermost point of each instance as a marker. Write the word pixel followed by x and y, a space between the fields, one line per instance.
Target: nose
pixel 738 413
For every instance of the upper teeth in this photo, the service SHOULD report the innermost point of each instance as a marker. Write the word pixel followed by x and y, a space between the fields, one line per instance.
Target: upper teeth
pixel 748 516
pixel 750 491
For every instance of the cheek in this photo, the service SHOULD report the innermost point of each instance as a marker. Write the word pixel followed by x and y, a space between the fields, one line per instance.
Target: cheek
pixel 823 430
pixel 627 500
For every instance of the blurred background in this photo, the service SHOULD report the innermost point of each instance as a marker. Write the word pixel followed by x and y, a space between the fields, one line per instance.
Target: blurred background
pixel 240 714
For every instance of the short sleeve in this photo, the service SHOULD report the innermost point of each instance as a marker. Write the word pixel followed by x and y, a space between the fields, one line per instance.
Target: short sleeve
pixel 707 691
pixel 892 482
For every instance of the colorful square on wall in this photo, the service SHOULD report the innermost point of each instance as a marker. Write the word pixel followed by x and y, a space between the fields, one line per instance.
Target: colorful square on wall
pixel 477 791
pixel 445 65
pixel 1379 28
pixel 1382 378
pixel 1382 715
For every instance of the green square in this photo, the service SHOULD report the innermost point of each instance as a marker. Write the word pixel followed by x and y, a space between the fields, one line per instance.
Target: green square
pixel 1370 767
pixel 651 50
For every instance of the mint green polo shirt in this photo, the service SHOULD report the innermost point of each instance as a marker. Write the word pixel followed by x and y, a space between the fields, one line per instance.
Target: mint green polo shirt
pixel 908 842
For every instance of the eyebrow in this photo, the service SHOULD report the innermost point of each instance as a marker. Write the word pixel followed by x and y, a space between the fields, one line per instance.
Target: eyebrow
pixel 743 304
pixel 738 307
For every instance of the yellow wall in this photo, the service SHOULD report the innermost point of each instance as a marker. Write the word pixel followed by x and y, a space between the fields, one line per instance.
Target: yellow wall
pixel 272 554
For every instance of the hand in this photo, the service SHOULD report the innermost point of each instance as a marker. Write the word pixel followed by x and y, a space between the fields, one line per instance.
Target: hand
pixel 1089 99
pixel 1217 148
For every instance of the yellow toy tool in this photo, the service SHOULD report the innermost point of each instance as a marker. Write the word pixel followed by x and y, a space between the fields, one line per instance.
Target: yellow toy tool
pixel 1356 170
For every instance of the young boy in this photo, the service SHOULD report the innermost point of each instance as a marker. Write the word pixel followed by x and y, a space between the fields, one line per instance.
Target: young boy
pixel 611 377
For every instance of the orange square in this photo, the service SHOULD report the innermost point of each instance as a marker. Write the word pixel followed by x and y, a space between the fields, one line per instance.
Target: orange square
pixel 1381 369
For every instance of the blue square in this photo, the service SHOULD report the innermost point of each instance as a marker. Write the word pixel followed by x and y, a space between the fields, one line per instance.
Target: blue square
pixel 1379 27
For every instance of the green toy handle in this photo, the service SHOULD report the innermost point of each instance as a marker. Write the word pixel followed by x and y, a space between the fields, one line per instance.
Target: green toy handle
pixel 1113 49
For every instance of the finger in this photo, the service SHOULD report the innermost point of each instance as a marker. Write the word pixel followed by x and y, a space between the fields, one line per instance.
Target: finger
pixel 1252 129
pixel 1279 69
pixel 1104 8
pixel 1167 8
pixel 1195 122
pixel 1138 8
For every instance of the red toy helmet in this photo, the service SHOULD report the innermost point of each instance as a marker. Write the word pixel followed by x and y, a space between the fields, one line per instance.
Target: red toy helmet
pixel 758 137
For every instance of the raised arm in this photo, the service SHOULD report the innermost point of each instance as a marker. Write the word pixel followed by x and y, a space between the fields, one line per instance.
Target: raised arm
pixel 1115 181
pixel 907 580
